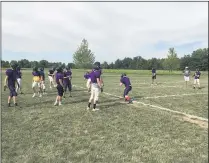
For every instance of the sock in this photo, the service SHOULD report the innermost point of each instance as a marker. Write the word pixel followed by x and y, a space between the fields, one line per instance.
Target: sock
pixel 127 98
pixel 94 107
pixel 89 104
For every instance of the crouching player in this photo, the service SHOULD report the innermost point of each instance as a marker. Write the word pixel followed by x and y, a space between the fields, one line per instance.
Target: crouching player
pixel 67 81
pixel 88 82
pixel 60 87
pixel 42 82
pixel 126 81
pixel 36 82
pixel 95 88
pixel 19 80
pixel 196 78
pixel 10 81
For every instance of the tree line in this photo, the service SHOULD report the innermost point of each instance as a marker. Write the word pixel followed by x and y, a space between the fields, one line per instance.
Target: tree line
pixel 84 58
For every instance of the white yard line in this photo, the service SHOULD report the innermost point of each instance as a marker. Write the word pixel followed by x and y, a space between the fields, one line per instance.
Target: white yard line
pixel 158 107
pixel 178 95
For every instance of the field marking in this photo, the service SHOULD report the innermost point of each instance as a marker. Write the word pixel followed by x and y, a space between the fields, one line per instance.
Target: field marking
pixel 158 107
pixel 154 86
pixel 177 95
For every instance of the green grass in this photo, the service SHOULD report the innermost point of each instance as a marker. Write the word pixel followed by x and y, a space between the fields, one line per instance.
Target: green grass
pixel 39 132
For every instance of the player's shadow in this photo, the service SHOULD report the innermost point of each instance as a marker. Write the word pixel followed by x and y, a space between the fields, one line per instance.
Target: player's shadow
pixel 110 105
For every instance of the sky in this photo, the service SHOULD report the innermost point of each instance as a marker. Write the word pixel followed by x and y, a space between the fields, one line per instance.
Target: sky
pixel 53 31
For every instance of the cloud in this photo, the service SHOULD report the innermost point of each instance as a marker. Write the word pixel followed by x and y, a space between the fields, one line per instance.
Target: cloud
pixel 116 30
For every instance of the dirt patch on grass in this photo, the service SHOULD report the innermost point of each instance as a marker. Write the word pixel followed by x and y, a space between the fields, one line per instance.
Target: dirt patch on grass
pixel 202 124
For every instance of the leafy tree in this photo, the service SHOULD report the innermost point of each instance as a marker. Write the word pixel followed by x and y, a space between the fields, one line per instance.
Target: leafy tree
pixel 43 63
pixel 118 64
pixel 5 64
pixel 83 57
pixel 71 65
pixel 126 63
pixel 105 65
pixel 172 62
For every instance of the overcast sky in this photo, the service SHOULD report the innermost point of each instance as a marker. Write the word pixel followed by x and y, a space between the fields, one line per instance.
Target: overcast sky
pixel 53 31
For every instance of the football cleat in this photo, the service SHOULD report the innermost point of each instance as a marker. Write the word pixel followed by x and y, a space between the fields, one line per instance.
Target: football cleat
pixel 96 109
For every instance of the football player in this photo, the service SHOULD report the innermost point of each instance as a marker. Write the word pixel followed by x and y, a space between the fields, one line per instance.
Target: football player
pixel 126 81
pixel 96 87
pixel 196 78
pixel 67 81
pixel 186 75
pixel 60 87
pixel 51 77
pixel 36 82
pixel 153 75
pixel 10 81
pixel 42 82
pixel 19 80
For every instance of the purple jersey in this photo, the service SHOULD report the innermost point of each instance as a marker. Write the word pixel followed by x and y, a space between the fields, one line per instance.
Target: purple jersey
pixel 12 76
pixel 36 73
pixel 19 74
pixel 197 75
pixel 94 75
pixel 87 76
pixel 68 75
pixel 59 76
pixel 126 81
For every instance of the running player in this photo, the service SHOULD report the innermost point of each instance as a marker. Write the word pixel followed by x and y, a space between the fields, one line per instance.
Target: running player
pixel 153 75
pixel 10 81
pixel 42 82
pixel 19 80
pixel 51 77
pixel 60 87
pixel 96 86
pixel 67 81
pixel 196 78
pixel 88 83
pixel 126 81
pixel 186 75
pixel 36 82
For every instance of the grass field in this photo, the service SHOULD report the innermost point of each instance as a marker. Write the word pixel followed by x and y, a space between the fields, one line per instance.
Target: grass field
pixel 143 132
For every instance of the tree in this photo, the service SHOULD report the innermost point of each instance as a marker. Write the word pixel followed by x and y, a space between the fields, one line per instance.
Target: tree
pixel 71 65
pixel 83 57
pixel 43 63
pixel 105 65
pixel 126 63
pixel 5 64
pixel 172 62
